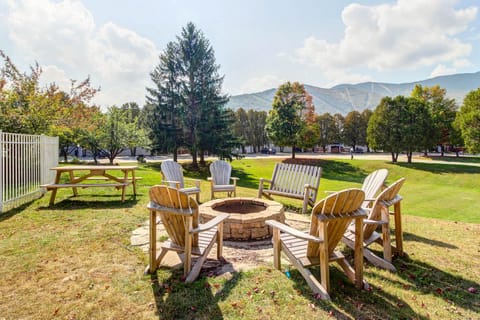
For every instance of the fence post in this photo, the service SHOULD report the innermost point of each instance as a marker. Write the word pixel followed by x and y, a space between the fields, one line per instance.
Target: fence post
pixel 1 171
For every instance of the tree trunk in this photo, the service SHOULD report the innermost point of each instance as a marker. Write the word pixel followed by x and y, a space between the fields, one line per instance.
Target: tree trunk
pixel 293 152
pixel 175 154
pixel 194 159
pixel 133 151
pixel 409 156
pixel 243 149
pixel 425 153
pixel 442 150
pixel 394 158
pixel 202 158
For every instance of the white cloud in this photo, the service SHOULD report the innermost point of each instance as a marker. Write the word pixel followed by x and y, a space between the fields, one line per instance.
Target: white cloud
pixel 261 83
pixel 442 70
pixel 405 34
pixel 53 74
pixel 63 35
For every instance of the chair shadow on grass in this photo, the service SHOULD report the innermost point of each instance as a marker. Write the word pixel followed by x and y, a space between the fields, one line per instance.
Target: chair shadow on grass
pixel 424 278
pixel 413 237
pixel 178 300
pixel 331 169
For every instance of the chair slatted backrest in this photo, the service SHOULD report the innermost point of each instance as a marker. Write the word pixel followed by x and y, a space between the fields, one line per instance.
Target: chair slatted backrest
pixel 337 211
pixel 172 171
pixel 292 178
pixel 175 209
pixel 221 172
pixel 374 182
pixel 384 199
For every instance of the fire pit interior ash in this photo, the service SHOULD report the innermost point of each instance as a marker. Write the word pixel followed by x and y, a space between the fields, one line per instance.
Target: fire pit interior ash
pixel 247 216
pixel 240 207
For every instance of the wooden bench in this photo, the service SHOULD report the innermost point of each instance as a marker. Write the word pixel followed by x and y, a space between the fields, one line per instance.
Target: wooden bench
pixel 106 179
pixel 293 181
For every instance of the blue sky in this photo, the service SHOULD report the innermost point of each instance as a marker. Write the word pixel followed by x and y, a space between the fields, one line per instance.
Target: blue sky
pixel 258 44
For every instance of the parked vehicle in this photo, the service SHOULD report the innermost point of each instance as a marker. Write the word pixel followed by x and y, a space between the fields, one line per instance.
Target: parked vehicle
pixel 268 150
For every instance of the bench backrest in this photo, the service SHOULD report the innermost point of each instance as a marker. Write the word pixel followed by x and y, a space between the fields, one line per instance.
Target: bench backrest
pixel 292 178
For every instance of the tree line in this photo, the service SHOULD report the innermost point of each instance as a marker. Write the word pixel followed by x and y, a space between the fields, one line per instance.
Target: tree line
pixel 186 110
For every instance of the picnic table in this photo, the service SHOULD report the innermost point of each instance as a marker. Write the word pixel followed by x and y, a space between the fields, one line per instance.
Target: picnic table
pixel 83 176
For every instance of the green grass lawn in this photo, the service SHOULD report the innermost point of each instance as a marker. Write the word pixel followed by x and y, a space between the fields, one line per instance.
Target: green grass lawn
pixel 74 260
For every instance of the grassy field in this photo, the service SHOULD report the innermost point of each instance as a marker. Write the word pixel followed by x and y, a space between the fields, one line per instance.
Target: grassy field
pixel 75 261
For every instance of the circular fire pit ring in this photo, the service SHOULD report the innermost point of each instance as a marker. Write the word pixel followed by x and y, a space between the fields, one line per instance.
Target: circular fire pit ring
pixel 247 217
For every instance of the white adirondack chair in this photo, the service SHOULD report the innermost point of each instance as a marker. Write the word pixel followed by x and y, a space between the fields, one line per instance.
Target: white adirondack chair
pixel 172 174
pixel 220 180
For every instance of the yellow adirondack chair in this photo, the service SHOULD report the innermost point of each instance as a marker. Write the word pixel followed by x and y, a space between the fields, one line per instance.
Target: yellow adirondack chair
pixel 378 216
pixel 180 217
pixel 330 218
pixel 372 184
pixel 220 180
pixel 172 174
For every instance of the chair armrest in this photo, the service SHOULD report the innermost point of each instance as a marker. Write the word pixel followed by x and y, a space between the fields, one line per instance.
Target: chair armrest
pixel 209 178
pixel 210 224
pixel 262 180
pixel 234 179
pixel 294 232
pixel 379 222
pixel 307 186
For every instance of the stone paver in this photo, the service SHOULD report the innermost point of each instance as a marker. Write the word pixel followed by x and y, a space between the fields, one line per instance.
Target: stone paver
pixel 238 255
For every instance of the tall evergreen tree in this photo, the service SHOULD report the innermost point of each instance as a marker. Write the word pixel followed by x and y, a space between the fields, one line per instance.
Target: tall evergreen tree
pixel 189 107
pixel 163 108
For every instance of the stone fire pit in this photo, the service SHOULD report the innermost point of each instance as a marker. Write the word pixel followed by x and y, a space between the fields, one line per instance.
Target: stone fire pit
pixel 247 216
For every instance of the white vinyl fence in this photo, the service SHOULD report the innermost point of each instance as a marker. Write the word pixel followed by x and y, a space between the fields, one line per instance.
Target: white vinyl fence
pixel 25 162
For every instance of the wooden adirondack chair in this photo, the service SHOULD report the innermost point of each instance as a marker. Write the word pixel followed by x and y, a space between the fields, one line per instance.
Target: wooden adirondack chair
pixel 372 184
pixel 220 180
pixel 180 217
pixel 378 216
pixel 172 174
pixel 330 218
pixel 293 181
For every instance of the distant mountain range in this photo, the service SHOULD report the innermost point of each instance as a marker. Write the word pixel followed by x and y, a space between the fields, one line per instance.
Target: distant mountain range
pixel 344 98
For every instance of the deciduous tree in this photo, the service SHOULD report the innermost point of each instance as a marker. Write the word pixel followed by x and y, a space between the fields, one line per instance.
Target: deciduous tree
pixel 468 121
pixel 443 111
pixel 284 122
